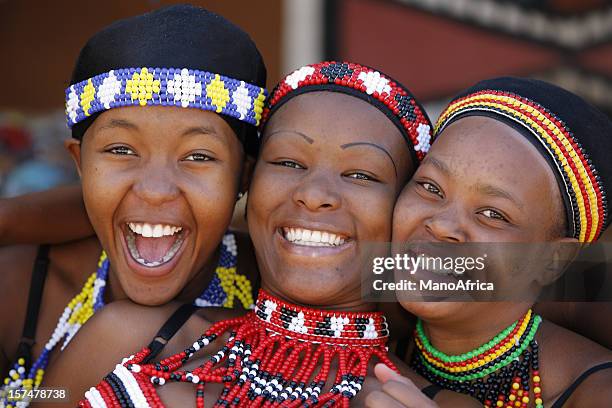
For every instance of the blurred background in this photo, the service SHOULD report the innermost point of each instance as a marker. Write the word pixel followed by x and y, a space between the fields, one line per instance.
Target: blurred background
pixel 435 47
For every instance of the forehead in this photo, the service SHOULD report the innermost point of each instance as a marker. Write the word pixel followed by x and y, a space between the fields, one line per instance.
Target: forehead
pixel 477 149
pixel 161 119
pixel 335 117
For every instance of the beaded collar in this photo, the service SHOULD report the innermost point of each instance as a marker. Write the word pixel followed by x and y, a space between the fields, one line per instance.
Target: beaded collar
pixel 225 287
pixel 277 355
pixel 496 373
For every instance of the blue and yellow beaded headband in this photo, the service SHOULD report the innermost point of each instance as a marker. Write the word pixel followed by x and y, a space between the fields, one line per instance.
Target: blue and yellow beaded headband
pixel 185 88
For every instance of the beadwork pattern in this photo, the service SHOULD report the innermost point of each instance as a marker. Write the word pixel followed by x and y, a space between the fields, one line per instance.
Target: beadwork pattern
pixel 76 313
pixel 278 355
pixel 396 98
pixel 589 207
pixel 187 88
pixel 496 373
pixel 225 286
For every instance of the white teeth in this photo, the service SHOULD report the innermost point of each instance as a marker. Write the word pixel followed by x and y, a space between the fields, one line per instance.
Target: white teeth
pixel 158 231
pixel 153 230
pixel 147 231
pixel 306 237
pixel 131 243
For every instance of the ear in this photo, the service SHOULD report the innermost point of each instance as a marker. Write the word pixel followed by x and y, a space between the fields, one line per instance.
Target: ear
pixel 74 149
pixel 247 173
pixel 563 252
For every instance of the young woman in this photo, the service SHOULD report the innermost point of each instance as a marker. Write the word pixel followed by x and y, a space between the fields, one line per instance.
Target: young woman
pixel 159 182
pixel 542 174
pixel 340 142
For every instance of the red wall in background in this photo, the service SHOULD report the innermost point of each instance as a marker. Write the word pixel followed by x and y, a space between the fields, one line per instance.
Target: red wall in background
pixel 39 41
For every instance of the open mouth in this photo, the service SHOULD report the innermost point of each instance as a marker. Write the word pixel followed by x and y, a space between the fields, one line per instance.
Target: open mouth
pixel 315 238
pixel 152 245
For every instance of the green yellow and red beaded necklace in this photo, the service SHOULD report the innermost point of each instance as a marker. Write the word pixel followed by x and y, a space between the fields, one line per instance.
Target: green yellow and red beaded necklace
pixel 497 373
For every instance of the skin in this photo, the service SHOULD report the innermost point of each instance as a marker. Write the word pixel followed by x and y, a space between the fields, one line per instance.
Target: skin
pixel 452 207
pixel 304 177
pixel 144 164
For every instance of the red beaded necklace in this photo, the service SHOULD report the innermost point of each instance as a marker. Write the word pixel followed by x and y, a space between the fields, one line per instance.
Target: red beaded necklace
pixel 280 354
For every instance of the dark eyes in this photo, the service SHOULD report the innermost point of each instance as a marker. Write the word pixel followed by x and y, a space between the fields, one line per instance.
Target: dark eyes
pixel 198 157
pixel 495 215
pixel 354 175
pixel 360 176
pixel 289 163
pixel 121 151
pixel 431 188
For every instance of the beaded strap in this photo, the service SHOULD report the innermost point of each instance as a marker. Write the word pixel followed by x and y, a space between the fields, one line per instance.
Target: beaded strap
pixel 225 286
pixel 76 313
pixel 187 88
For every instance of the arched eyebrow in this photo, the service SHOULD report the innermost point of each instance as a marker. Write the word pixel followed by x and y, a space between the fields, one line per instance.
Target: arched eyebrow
pixel 385 151
pixel 306 138
pixel 494 191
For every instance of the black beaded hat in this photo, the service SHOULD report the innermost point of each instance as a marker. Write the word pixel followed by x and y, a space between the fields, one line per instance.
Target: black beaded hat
pixel 374 87
pixel 180 55
pixel 573 136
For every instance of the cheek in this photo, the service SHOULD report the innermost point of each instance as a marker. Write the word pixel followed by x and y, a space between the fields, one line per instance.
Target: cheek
pixel 407 215
pixel 211 196
pixel 373 211
pixel 266 191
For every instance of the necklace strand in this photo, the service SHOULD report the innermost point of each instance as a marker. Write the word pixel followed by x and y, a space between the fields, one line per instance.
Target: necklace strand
pixel 277 355
pixel 226 286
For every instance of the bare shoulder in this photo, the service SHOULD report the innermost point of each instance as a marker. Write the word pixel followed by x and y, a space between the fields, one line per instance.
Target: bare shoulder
pixel 565 356
pixel 595 391
pixel 119 330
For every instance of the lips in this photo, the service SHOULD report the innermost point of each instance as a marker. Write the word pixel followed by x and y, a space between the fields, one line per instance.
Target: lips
pixel 152 245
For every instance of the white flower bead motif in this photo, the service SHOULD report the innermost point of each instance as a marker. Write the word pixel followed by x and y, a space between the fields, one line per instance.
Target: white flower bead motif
pixel 370 331
pixel 110 87
pixel 337 324
pixel 297 324
pixel 299 75
pixel 242 100
pixel 269 307
pixel 229 241
pixel 72 105
pixel 184 87
pixel 423 138
pixel 374 82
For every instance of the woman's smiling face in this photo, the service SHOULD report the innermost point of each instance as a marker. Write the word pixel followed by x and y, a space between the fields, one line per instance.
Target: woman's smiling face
pixel 159 185
pixel 329 171
pixel 482 182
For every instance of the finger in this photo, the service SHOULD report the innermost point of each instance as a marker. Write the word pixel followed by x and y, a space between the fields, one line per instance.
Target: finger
pixel 384 374
pixel 378 399
pixel 407 394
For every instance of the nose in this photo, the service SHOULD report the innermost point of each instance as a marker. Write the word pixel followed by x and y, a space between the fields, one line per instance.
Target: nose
pixel 156 185
pixel 445 226
pixel 317 193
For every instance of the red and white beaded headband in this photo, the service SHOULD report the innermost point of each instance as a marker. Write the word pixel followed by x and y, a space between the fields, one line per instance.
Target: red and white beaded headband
pixel 388 96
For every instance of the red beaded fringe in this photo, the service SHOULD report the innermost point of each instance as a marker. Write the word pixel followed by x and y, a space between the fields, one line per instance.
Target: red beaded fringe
pixel 278 355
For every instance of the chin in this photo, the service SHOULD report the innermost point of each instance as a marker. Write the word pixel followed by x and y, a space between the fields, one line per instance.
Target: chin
pixel 310 287
pixel 432 310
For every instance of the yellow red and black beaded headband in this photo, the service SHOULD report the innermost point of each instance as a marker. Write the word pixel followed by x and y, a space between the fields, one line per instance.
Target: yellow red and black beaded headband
pixel 184 87
pixel 584 194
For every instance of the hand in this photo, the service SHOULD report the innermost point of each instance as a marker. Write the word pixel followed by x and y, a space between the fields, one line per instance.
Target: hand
pixel 396 392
